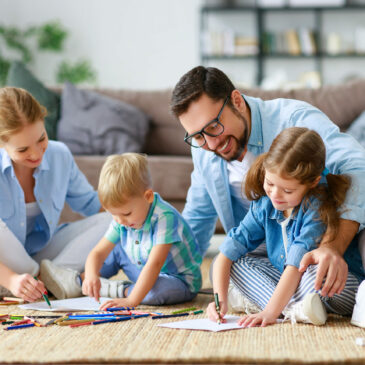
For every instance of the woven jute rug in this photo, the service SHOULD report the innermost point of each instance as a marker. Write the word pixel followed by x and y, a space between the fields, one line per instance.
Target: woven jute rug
pixel 141 341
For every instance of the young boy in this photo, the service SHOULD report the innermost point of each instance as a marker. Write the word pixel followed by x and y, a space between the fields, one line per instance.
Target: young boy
pixel 156 248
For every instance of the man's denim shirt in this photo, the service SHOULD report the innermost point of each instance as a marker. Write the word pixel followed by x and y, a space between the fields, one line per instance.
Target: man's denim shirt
pixel 304 232
pixel 209 195
pixel 57 179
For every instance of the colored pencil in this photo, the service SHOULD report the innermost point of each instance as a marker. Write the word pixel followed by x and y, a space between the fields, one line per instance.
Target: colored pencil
pixel 75 321
pixel 113 309
pixel 20 322
pixel 119 319
pixel 44 295
pixel 81 324
pixel 170 315
pixel 184 310
pixel 13 299
pixel 18 327
pixel 217 307
pixel 82 316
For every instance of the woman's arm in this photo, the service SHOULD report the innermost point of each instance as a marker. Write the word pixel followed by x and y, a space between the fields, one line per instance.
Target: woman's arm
pixel 221 274
pixel 21 285
pixel 285 289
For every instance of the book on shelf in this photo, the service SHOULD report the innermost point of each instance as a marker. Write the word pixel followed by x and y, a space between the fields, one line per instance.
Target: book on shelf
pixel 227 43
pixel 307 42
pixel 314 3
pixel 293 42
pixel 245 46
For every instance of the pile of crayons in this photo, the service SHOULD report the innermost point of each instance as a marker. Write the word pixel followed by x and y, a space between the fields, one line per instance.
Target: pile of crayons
pixel 72 320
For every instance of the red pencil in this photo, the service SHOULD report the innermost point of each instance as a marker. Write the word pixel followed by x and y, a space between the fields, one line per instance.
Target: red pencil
pixel 81 324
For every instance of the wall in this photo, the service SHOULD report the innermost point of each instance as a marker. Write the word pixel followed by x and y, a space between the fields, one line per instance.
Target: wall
pixel 132 44
pixel 144 44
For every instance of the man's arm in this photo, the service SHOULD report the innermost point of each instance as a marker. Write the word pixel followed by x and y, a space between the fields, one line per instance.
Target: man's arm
pixel 329 259
pixel 199 210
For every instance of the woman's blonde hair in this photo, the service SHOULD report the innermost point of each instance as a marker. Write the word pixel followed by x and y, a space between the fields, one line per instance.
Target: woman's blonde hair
pixel 300 153
pixel 17 109
pixel 123 176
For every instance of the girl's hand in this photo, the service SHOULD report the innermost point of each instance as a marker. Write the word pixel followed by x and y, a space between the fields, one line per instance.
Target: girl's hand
pixel 262 319
pixel 26 287
pixel 91 287
pixel 212 312
pixel 120 302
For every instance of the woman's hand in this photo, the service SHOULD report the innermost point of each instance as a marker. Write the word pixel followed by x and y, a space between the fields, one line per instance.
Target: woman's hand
pixel 212 312
pixel 26 287
pixel 91 287
pixel 120 302
pixel 262 319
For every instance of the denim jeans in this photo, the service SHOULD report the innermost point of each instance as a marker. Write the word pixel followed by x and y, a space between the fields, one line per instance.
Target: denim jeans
pixel 168 289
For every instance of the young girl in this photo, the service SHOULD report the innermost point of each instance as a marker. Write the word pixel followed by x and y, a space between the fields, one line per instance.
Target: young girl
pixel 37 176
pixel 290 212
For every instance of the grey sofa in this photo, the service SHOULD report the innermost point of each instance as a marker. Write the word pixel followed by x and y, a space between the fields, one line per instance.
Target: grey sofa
pixel 169 156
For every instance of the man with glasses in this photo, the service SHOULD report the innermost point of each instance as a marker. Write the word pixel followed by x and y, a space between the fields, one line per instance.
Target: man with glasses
pixel 227 131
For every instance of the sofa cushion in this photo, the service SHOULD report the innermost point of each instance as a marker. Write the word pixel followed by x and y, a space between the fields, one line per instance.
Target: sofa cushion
pixel 20 76
pixel 166 134
pixel 341 103
pixel 357 129
pixel 94 124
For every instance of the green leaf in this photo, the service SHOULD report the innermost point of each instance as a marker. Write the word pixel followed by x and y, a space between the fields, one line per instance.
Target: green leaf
pixel 4 68
pixel 51 36
pixel 76 73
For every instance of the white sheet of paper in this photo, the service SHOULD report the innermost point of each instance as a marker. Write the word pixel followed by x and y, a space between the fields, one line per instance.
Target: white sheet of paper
pixel 64 305
pixel 205 324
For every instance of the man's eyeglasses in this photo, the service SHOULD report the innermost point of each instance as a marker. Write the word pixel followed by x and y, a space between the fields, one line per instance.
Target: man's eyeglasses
pixel 213 128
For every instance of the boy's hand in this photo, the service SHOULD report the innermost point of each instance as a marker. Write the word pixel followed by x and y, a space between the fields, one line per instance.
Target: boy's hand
pixel 91 287
pixel 119 302
pixel 212 312
pixel 262 319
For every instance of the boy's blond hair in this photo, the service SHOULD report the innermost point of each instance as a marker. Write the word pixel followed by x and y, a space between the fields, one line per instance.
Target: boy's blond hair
pixel 17 109
pixel 122 177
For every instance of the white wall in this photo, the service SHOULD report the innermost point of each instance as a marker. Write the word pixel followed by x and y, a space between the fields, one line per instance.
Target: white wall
pixel 145 44
pixel 140 44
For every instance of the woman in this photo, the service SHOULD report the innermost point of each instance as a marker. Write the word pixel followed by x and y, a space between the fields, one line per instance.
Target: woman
pixel 37 176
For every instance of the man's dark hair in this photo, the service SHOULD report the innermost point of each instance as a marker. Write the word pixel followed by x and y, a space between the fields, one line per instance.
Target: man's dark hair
pixel 208 80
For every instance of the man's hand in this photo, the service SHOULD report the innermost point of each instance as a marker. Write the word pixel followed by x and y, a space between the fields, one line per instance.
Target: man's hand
pixel 331 266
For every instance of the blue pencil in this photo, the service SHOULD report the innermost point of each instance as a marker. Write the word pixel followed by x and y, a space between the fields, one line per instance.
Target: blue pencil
pixel 114 309
pixel 20 326
pixel 83 316
pixel 119 319
pixel 170 315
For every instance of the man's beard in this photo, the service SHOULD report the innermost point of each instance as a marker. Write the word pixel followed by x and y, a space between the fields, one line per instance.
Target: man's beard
pixel 241 143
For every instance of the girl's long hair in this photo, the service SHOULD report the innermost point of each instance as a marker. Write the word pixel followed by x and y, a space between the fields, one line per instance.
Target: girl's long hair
pixel 300 153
